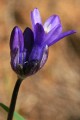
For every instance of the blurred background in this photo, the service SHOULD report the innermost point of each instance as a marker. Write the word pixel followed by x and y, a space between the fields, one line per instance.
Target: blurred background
pixel 54 92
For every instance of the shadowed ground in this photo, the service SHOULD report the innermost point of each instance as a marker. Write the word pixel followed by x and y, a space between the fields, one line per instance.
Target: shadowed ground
pixel 54 92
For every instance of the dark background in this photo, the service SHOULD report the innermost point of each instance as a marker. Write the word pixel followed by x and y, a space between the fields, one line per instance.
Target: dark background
pixel 54 92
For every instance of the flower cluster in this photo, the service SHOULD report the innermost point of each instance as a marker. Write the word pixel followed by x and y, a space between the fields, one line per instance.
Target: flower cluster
pixel 29 50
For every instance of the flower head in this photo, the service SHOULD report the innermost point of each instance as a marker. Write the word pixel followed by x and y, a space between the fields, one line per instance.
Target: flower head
pixel 29 50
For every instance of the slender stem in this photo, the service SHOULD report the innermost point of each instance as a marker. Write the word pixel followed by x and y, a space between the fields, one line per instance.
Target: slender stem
pixel 14 98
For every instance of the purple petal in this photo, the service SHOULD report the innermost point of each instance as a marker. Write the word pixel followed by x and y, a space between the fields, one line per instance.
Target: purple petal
pixel 16 40
pixel 53 34
pixel 62 35
pixel 45 57
pixel 51 22
pixel 35 17
pixel 38 33
pixel 28 39
pixel 14 59
pixel 36 53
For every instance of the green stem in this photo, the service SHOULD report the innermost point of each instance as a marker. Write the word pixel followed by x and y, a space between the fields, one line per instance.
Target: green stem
pixel 14 98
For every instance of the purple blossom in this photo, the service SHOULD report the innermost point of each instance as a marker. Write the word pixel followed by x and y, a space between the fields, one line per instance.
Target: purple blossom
pixel 29 50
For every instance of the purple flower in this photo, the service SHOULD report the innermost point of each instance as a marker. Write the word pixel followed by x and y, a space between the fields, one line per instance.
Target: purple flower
pixel 29 50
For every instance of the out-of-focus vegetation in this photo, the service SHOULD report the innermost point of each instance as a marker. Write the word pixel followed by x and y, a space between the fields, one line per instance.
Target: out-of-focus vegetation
pixel 54 92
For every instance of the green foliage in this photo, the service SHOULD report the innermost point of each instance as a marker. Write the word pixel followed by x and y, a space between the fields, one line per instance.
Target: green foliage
pixel 16 115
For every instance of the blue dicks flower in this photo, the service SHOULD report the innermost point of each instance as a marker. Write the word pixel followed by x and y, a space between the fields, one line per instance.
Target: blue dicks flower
pixel 29 50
